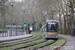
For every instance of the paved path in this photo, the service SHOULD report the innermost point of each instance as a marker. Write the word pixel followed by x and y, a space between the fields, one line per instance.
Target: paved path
pixel 70 45
pixel 15 37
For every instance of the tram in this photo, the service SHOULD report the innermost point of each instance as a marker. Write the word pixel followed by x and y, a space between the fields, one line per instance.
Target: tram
pixel 51 29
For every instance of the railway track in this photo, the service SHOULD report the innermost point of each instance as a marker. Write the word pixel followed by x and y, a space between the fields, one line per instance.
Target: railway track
pixel 29 43
pixel 17 40
pixel 44 45
pixel 21 42
pixel 36 44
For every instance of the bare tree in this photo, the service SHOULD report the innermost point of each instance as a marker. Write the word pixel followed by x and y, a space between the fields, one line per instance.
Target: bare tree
pixel 65 14
pixel 72 6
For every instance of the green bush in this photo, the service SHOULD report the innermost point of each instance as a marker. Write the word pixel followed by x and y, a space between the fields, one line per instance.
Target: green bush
pixel 62 29
pixel 2 30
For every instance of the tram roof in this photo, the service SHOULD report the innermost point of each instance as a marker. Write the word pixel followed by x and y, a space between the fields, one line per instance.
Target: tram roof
pixel 52 20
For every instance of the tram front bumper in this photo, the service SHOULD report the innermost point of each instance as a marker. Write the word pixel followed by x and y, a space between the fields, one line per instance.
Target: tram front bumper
pixel 51 36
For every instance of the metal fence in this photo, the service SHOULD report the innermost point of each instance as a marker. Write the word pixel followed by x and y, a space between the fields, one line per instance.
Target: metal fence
pixel 14 33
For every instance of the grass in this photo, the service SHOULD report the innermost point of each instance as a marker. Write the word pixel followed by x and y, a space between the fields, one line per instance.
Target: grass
pixel 34 33
pixel 24 44
pixel 40 44
pixel 60 41
pixel 18 42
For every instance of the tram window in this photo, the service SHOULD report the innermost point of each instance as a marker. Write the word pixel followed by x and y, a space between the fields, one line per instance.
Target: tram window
pixel 51 28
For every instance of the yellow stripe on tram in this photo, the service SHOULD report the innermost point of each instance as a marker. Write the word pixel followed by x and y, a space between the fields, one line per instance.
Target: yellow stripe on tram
pixel 51 33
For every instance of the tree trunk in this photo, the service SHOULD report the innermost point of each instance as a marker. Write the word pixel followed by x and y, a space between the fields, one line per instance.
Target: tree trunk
pixel 64 25
pixel 60 23
pixel 68 24
pixel 72 17
pixel 34 23
pixel 3 18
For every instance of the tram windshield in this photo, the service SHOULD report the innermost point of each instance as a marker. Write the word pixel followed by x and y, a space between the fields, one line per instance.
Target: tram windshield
pixel 52 27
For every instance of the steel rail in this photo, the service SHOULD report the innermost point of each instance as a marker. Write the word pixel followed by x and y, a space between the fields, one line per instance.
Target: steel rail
pixel 29 45
pixel 21 42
